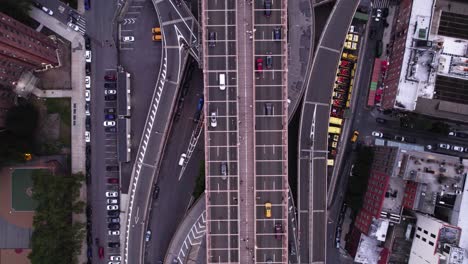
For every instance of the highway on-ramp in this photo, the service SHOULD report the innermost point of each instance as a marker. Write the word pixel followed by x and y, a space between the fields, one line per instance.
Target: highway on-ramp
pixel 312 162
pixel 178 39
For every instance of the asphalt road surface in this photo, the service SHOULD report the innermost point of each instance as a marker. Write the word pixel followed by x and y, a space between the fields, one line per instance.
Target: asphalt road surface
pixel 176 33
pixel 312 182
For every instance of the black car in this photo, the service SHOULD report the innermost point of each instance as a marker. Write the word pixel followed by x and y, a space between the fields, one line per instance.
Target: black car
pixel 112 168
pixel 88 123
pixel 110 97
pixel 458 134
pixel 109 117
pixel 88 163
pixel 277 33
pixel 38 5
pixel 88 68
pixel 212 39
pixel 113 213
pixel 87 42
pixel 110 77
pixel 410 139
pixel 110 85
pixel 380 120
pixel 114 244
pixel 156 192
pixel 88 149
pixel 113 220
pixel 110 129
pixel 109 110
pixel 87 4
pixel 267 7
pixel 113 226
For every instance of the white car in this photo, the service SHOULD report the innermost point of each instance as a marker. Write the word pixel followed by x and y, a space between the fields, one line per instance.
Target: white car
pixel 378 15
pixel 117 258
pixel 377 134
pixel 110 92
pixel 113 233
pixel 213 121
pixel 128 39
pixel 148 236
pixel 87 95
pixel 458 148
pixel 108 123
pixel 74 27
pixel 112 207
pixel 88 56
pixel 112 201
pixel 87 81
pixel 444 146
pixel 87 135
pixel 47 11
pixel 112 194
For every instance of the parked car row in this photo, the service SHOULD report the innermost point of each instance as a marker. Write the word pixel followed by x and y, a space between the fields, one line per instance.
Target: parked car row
pixel 449 147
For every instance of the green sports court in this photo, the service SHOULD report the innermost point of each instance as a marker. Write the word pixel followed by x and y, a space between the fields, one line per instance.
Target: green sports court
pixel 21 190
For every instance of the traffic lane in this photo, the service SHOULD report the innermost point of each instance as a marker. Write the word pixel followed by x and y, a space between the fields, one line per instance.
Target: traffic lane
pixel 341 18
pixel 319 226
pixel 323 77
pixel 320 181
pixel 60 9
pixel 265 92
pixel 222 63
pixel 223 153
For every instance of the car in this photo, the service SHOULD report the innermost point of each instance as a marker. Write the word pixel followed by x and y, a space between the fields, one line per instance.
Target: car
pixel 112 168
pixel 212 39
pixel 213 120
pixel 267 7
pixel 128 39
pixel 112 207
pixel 87 42
pixel 268 210
pixel 110 129
pixel 201 101
pixel 269 61
pixel 87 4
pixel 380 120
pixel 87 136
pixel 457 148
pixel 110 77
pixel 108 123
pixel 109 117
pixel 444 146
pixel 156 192
pixel 111 85
pixel 336 112
pixel 268 109
pixel 458 134
pixel 410 139
pixel 341 79
pixel 113 180
pixel 400 138
pixel 113 233
pixel 38 5
pixel 87 81
pixel 148 235
pixel 75 28
pixel 110 92
pixel 277 33
pixel 109 110
pixel 110 97
pixel 101 252
pixel 183 156
pixel 344 72
pixel 88 150
pixel 259 63
pixel 47 11
pixel 114 220
pixel 113 213
pixel 377 134
pixel 88 68
pixel 378 15
pixel 352 29
pixel 112 201
pixel 112 194
pixel 116 258
pixel 87 95
pixel 345 64
pixel 340 96
pixel 429 147
pixel 88 56
pixel 278 230
pixel 224 169
pixel 113 244
pixel 355 136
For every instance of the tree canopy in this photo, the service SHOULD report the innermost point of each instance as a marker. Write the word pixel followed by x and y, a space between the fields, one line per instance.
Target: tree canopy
pixel 56 238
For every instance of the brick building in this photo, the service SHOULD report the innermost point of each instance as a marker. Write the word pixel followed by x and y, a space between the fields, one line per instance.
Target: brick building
pixel 23 49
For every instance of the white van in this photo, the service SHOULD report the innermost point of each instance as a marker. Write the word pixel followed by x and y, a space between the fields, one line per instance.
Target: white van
pixel 222 81
pixel 182 159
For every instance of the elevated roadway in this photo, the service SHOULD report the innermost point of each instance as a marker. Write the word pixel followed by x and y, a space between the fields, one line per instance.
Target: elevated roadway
pixel 312 162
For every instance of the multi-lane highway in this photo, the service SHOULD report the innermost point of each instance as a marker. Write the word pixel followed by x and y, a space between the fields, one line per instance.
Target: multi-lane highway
pixel 245 65
pixel 312 164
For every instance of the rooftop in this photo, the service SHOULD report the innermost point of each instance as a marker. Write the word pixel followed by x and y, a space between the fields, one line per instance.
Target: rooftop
pixel 368 250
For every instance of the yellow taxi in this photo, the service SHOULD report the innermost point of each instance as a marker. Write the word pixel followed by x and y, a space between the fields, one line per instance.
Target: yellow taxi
pixel 268 210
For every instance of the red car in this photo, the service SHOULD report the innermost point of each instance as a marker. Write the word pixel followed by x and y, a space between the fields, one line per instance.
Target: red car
pixel 345 64
pixel 113 180
pixel 336 112
pixel 259 64
pixel 101 252
pixel 337 103
pixel 344 72
pixel 342 80
pixel 110 77
pixel 278 230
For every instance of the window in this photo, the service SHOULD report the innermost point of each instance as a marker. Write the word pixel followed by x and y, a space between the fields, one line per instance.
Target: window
pixel 431 243
pixel 433 235
pixel 419 229
pixel 425 232
pixel 418 236
pixel 424 239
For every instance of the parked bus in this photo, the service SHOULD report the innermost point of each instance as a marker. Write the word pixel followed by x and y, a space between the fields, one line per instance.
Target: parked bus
pixel 334 130
pixel 336 121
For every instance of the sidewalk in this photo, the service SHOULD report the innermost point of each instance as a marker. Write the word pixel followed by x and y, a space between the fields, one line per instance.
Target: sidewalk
pixel 301 36
pixel 77 102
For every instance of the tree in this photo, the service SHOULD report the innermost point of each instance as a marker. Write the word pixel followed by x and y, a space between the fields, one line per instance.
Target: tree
pixel 56 238
pixel 358 183
pixel 17 9
pixel 22 120
pixel 200 182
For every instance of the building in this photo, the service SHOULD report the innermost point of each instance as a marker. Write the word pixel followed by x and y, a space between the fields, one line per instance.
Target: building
pixel 435 242
pixel 23 49
pixel 428 61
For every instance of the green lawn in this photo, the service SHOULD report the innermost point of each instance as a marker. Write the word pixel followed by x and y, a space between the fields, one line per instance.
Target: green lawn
pixel 62 106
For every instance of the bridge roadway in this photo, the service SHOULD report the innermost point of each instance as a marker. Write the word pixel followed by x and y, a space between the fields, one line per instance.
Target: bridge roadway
pixel 178 27
pixel 313 135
